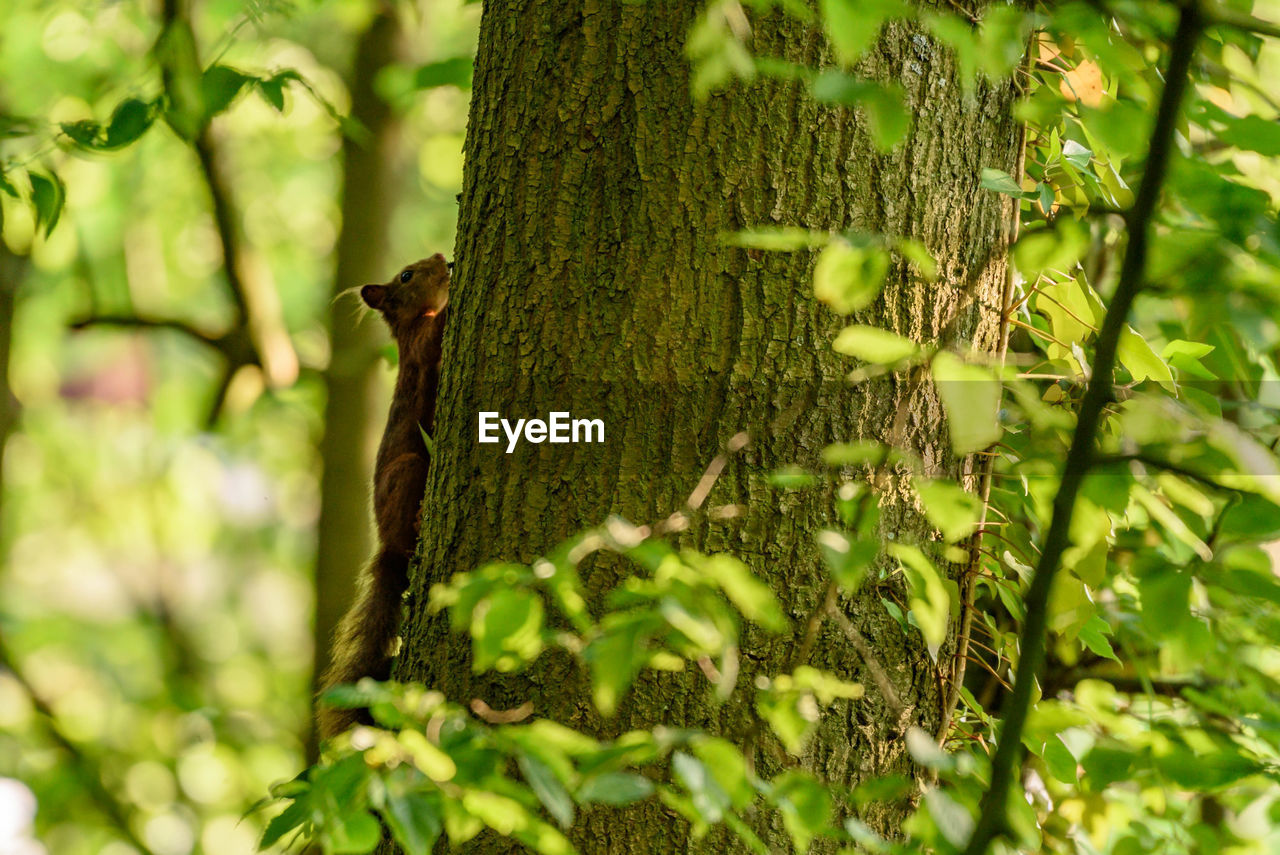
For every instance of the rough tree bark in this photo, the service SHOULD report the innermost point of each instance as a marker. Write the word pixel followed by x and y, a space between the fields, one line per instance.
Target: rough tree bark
pixel 591 276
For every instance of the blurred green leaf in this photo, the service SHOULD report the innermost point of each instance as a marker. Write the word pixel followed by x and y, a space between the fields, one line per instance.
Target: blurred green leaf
pixel 547 787
pixel 953 510
pixel 971 396
pixel 875 345
pixel 455 71
pixel 48 195
pixel 847 277
pixel 615 788
pixel 414 821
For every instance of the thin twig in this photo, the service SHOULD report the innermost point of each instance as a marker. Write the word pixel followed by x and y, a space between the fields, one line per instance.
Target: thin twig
pixel 968 577
pixel 1172 468
pixel 145 322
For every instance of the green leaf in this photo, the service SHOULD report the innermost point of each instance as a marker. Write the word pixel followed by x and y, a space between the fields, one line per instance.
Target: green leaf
pixel 778 239
pixel 847 277
pixel 930 599
pixel 1046 197
pixel 952 819
pixel 847 560
pixel 875 345
pixel 455 71
pixel 547 787
pixel 85 133
pixel 354 833
pixel 1253 133
pixel 851 25
pixel 615 788
pixel 1002 39
pixel 729 768
pixel 887 117
pixel 784 238
pixel 855 453
pixel 1141 361
pixel 614 658
pixel 1076 154
pixel 1205 773
pixel 1059 762
pixel 1165 596
pixel 971 397
pixel 752 597
pixel 805 806
pixel 1057 248
pixel 1002 182
pixel 427 440
pixel 506 630
pixel 414 821
pixel 792 478
pixel 789 718
pixel 709 799
pixel 130 121
pixel 920 257
pixel 428 757
pixel 272 88
pixel 281 824
pixel 219 86
pixel 48 194
pixel 1094 636
pixel 954 511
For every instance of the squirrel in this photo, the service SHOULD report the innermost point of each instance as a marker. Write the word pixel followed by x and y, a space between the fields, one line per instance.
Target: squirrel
pixel 414 306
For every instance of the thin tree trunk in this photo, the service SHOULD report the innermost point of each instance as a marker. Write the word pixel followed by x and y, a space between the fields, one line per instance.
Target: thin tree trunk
pixel 592 278
pixel 351 417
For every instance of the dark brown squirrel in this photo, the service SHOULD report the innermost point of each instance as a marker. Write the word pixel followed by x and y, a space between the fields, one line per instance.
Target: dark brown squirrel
pixel 414 305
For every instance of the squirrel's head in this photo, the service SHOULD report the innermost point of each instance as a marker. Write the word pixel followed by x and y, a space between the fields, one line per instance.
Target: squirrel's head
pixel 417 294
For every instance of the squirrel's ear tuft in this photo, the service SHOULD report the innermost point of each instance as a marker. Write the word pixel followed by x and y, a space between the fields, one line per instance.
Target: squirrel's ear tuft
pixel 374 296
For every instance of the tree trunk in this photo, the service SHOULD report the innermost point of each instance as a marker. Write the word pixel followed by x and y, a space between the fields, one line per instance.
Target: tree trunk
pixel 591 277
pixel 369 189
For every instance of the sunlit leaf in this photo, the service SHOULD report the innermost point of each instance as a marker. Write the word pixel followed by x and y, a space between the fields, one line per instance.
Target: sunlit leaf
pixel 847 277
pixel 954 511
pixel 872 344
pixel 971 395
pixel 931 600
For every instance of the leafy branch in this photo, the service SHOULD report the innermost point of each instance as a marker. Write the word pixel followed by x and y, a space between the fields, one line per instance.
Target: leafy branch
pixel 992 820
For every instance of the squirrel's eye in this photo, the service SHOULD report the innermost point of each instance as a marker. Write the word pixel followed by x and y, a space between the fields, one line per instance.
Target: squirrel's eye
pixel 406 276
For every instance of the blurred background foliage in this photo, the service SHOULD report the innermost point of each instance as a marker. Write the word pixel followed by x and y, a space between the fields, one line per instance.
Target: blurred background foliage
pixel 156 591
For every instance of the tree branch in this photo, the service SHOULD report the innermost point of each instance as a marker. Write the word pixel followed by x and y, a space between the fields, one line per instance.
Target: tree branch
pixel 1224 16
pixel 878 675
pixel 992 819
pixel 969 574
pixel 145 322
pixel 1173 468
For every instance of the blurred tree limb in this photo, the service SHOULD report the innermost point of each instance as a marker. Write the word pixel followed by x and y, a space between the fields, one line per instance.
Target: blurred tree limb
pixel 257 337
pixel 369 190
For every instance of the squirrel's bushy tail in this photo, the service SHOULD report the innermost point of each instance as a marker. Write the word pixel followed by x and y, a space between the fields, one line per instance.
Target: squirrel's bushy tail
pixel 363 642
